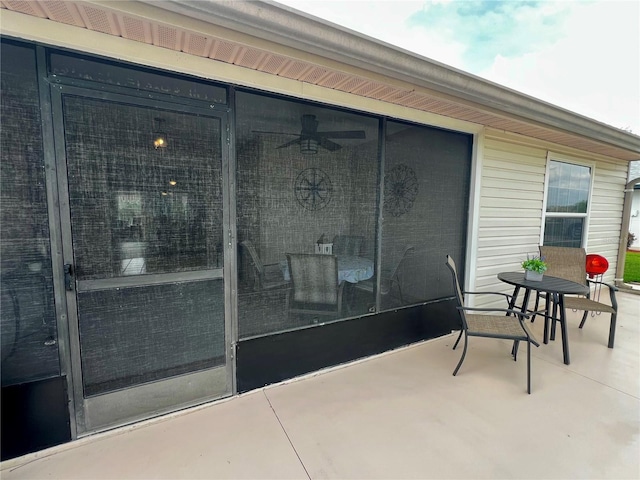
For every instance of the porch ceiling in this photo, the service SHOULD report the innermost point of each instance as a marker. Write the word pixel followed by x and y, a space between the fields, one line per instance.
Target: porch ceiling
pixel 279 41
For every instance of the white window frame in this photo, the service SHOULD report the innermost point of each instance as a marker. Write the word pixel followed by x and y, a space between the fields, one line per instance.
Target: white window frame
pixel 554 157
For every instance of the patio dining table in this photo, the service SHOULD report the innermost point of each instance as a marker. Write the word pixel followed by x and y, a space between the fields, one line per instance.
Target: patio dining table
pixel 554 289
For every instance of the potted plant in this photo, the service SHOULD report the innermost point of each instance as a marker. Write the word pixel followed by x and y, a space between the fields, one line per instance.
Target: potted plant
pixel 534 268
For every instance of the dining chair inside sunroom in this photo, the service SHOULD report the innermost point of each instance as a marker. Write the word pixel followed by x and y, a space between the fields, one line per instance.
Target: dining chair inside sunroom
pixel 570 263
pixel 266 277
pixel 499 323
pixel 392 284
pixel 347 245
pixel 315 286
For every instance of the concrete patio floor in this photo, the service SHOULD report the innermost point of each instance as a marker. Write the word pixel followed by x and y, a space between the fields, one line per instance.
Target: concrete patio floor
pixel 399 415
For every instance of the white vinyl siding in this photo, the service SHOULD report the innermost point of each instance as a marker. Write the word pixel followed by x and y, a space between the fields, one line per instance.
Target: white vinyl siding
pixel 510 214
pixel 605 217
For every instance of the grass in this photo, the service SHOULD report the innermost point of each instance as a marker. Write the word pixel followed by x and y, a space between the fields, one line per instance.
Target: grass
pixel 632 267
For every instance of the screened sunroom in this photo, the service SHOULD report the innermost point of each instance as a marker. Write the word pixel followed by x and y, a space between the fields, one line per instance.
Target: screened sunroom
pixel 164 215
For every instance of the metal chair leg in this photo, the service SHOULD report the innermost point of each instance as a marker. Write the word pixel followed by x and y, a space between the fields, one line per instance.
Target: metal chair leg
pixel 458 340
pixel 584 319
pixel 464 352
pixel 563 331
pixel 612 330
pixel 529 368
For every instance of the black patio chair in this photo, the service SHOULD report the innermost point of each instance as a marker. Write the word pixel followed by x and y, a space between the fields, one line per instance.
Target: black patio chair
pixel 570 263
pixel 508 326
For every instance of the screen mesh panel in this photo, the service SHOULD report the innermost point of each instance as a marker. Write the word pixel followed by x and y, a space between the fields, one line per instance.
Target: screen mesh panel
pixel 292 191
pixel 427 175
pixel 295 196
pixel 136 335
pixel 136 209
pixel 27 317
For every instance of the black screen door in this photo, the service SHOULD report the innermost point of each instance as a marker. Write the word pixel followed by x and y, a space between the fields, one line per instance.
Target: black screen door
pixel 143 228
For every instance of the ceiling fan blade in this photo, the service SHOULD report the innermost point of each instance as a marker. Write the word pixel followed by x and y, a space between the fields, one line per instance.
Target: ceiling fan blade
pixel 275 133
pixel 344 134
pixel 292 142
pixel 328 144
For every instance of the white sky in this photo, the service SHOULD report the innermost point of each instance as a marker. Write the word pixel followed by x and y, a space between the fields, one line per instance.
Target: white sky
pixel 580 55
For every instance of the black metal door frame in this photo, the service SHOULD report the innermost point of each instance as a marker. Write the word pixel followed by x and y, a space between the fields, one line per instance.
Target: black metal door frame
pixel 81 410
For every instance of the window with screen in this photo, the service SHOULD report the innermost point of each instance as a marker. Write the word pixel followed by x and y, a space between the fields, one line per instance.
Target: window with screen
pixel 567 204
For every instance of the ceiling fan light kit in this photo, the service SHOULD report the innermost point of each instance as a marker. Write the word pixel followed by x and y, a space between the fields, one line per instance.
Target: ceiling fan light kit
pixel 308 146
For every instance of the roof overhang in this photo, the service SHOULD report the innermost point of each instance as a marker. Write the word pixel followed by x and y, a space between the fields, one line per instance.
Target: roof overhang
pixel 279 41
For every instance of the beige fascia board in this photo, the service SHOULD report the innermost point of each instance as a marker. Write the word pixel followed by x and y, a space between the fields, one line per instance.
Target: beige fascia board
pixel 280 24
pixel 18 25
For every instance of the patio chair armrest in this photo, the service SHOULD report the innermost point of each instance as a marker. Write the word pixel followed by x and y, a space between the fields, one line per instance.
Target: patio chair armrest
pixel 612 291
pixel 503 310
pixel 600 282
pixel 506 296
pixel 489 293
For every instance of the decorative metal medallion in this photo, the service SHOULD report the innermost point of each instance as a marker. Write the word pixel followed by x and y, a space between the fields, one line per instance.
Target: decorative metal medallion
pixel 400 190
pixel 313 189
